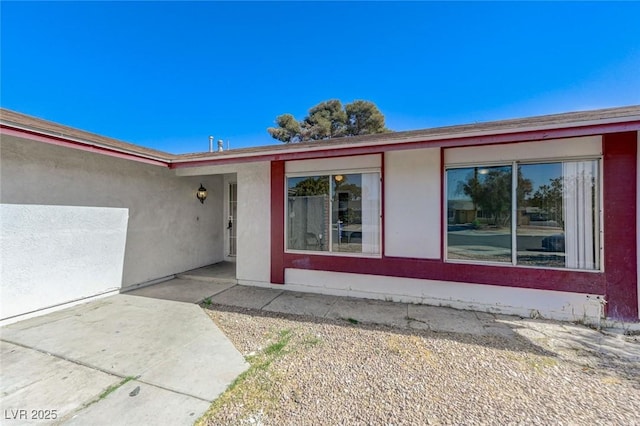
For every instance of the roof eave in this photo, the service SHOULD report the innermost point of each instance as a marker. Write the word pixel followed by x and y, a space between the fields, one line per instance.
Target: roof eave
pixel 52 138
pixel 558 126
pixel 546 131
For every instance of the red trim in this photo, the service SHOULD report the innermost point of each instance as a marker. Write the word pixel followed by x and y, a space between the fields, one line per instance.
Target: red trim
pixel 382 206
pixel 618 283
pixel 542 279
pixel 620 168
pixel 375 148
pixel 59 141
pixel 444 217
pixel 277 222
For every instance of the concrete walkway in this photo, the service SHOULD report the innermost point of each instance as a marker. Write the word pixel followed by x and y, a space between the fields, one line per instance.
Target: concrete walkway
pixel 164 362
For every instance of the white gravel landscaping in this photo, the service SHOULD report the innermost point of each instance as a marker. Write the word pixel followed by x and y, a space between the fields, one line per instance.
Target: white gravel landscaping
pixel 315 371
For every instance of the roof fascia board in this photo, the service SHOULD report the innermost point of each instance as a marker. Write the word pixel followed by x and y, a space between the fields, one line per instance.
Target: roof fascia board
pixel 434 141
pixel 69 142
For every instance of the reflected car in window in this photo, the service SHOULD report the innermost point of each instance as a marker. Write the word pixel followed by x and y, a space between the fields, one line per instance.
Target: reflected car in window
pixel 553 242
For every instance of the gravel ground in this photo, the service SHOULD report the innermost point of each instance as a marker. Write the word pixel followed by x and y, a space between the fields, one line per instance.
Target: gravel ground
pixel 313 371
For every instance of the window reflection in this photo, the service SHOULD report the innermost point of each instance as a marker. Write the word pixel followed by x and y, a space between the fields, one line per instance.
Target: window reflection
pixel 479 213
pixel 557 215
pixel 556 206
pixel 347 213
pixel 308 208
pixel 336 213
pixel 540 229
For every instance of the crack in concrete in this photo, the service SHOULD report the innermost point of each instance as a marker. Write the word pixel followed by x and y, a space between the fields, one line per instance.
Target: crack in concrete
pixel 96 368
pixel 269 302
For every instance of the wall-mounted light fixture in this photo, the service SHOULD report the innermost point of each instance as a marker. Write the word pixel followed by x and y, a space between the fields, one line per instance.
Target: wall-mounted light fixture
pixel 202 194
pixel 338 178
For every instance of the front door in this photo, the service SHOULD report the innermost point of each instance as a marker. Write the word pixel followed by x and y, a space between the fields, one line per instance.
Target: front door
pixel 233 214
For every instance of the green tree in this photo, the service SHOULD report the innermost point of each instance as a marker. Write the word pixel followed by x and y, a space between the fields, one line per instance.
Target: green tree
pixel 288 129
pixel 329 119
pixel 325 120
pixel 364 118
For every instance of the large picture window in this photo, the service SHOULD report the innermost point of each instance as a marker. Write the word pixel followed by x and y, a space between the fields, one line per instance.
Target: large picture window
pixel 531 214
pixel 338 213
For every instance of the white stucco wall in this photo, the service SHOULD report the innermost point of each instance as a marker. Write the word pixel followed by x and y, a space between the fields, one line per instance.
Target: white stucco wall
pixel 169 230
pixel 550 149
pixel 412 203
pixel 254 223
pixel 334 164
pixel 52 255
pixel 253 261
pixel 495 299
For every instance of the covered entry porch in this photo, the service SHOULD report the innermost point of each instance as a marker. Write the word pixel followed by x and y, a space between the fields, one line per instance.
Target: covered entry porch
pixel 192 286
pixel 245 228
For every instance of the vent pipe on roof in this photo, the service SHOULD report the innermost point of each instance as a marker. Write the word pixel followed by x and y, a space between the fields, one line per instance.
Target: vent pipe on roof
pixel 210 143
pixel 220 145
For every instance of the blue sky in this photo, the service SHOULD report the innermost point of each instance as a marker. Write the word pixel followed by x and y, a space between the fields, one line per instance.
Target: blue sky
pixel 167 75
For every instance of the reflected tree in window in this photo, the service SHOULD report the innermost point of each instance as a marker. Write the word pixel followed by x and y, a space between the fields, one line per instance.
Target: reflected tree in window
pixel 346 196
pixel 481 206
pixel 489 188
pixel 557 222
pixel 548 198
pixel 342 216
pixel 308 213
pixel 317 185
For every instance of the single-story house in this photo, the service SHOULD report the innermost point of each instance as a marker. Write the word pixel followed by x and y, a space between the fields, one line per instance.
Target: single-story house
pixel 84 216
